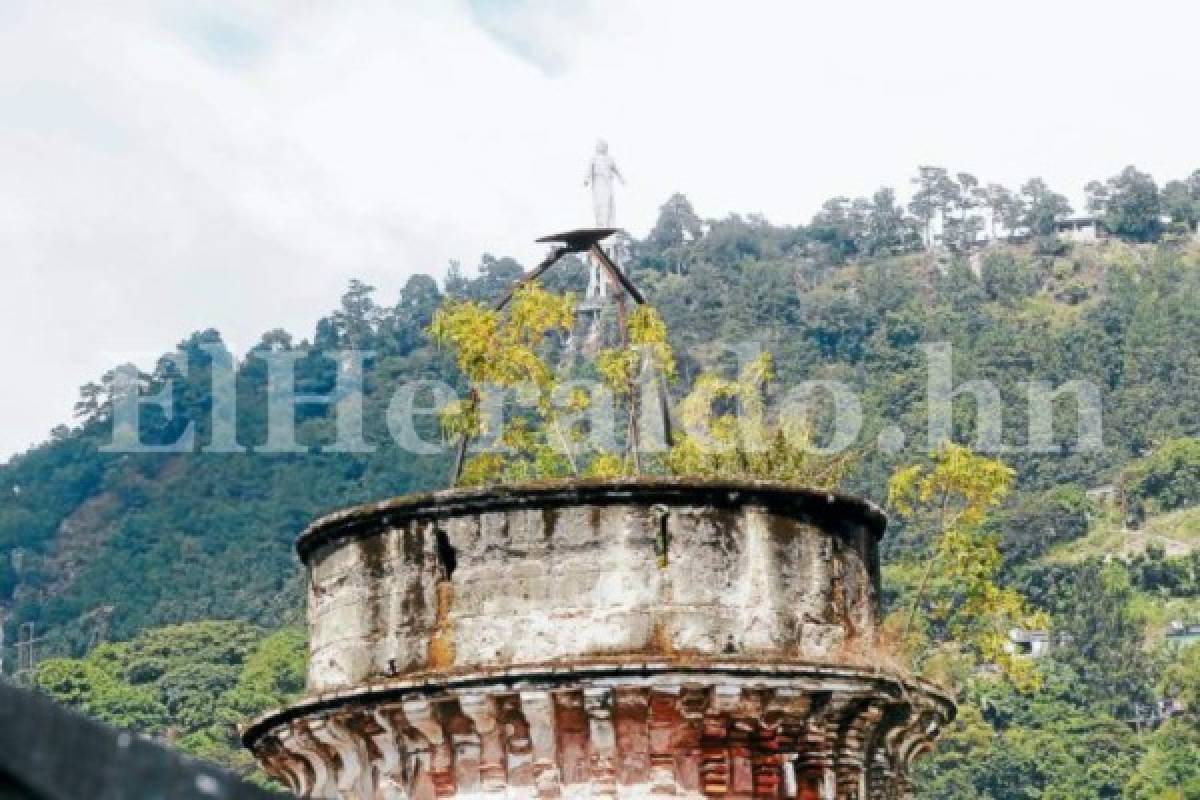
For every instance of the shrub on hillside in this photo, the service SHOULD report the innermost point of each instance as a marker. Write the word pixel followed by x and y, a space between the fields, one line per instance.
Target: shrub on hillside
pixel 1036 522
pixel 1165 480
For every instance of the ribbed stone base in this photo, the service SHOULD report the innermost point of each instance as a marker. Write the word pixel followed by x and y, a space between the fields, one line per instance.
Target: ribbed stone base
pixel 730 730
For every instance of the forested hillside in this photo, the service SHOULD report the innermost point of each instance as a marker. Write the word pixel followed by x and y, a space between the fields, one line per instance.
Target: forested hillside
pixel 108 547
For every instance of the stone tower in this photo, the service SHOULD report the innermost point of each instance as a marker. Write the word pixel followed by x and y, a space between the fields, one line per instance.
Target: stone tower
pixel 610 639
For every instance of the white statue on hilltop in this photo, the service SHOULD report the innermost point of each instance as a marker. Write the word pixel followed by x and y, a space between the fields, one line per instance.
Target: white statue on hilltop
pixel 600 175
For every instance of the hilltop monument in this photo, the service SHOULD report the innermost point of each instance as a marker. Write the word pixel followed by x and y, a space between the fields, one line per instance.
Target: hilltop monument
pixel 601 174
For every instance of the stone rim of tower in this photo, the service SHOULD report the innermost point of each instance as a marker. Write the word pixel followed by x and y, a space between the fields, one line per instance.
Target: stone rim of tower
pixel 365 519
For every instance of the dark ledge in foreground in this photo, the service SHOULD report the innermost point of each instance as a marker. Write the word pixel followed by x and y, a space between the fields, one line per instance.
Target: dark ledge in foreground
pixel 50 753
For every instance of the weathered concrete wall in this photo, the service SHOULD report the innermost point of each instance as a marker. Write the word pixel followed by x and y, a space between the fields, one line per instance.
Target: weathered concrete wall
pixel 468 579
pixel 620 639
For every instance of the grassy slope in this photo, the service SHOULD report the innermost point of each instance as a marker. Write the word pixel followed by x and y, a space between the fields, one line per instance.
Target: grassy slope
pixel 1177 533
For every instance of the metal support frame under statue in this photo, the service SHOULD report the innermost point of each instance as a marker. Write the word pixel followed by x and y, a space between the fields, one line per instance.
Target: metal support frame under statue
pixel 584 240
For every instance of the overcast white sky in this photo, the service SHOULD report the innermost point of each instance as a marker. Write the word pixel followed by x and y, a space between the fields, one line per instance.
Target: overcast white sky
pixel 171 166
